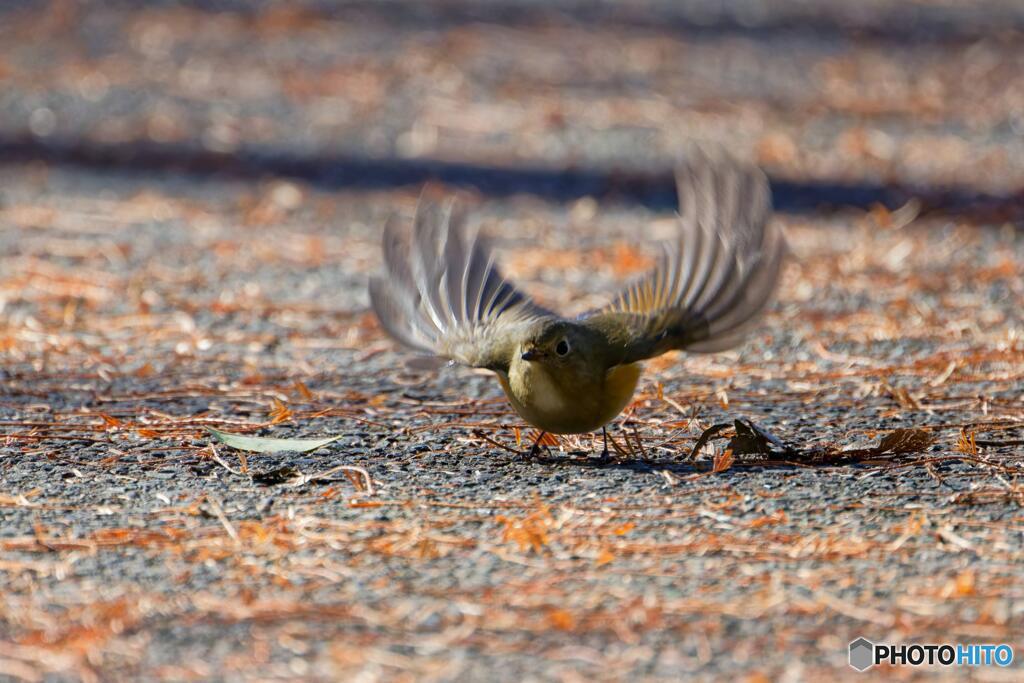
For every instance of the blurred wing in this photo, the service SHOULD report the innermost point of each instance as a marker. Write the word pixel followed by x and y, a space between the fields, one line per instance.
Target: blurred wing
pixel 443 293
pixel 712 282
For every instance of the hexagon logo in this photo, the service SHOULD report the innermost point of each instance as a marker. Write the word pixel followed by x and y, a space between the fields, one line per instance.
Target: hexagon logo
pixel 862 654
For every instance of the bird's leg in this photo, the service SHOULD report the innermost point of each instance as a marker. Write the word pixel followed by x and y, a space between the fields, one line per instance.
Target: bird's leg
pixel 535 449
pixel 604 453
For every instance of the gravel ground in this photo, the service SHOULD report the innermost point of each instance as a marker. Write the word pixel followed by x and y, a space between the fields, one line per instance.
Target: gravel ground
pixel 190 203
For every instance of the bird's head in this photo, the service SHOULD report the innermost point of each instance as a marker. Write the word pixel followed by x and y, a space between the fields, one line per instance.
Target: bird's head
pixel 563 346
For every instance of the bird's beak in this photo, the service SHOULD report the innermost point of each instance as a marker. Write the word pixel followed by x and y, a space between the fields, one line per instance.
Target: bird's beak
pixel 531 354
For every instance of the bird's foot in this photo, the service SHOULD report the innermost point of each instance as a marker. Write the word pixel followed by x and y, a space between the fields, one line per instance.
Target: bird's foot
pixel 534 453
pixel 605 456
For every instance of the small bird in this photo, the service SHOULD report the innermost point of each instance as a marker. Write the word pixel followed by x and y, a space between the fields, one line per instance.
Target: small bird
pixel 443 294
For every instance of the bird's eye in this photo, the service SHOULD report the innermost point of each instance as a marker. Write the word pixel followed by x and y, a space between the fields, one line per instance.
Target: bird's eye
pixel 563 348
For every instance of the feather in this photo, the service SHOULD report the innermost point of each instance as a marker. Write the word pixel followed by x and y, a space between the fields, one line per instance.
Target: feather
pixel 713 282
pixel 443 294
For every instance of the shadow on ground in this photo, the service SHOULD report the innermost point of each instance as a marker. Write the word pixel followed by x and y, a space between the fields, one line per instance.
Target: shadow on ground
pixel 890 26
pixel 652 189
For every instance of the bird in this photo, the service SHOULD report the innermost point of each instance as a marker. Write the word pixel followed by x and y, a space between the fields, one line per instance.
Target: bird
pixel 443 293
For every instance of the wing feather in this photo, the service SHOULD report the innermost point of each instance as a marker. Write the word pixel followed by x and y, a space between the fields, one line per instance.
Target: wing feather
pixel 711 284
pixel 444 294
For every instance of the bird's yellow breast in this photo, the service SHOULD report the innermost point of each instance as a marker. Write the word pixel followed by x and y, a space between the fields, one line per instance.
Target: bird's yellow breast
pixel 576 405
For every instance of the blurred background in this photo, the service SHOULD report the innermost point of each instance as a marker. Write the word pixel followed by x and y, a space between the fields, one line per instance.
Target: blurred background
pixel 191 197
pixel 567 98
pixel 171 123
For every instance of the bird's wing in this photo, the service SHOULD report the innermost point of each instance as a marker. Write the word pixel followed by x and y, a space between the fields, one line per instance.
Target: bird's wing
pixel 710 283
pixel 442 292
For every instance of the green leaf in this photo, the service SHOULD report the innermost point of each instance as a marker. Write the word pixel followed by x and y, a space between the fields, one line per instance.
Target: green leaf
pixel 259 444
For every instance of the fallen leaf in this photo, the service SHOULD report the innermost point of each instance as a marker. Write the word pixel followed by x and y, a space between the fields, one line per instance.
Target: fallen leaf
pixel 723 461
pixel 303 390
pixel 546 439
pixel 259 444
pixel 561 620
pixel 110 422
pixel 723 398
pixel 280 412
pixel 904 441
pixel 965 583
pixel 706 436
pixel 967 443
pixel 530 532
pixel 753 439
pixel 904 398
pixel 778 517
